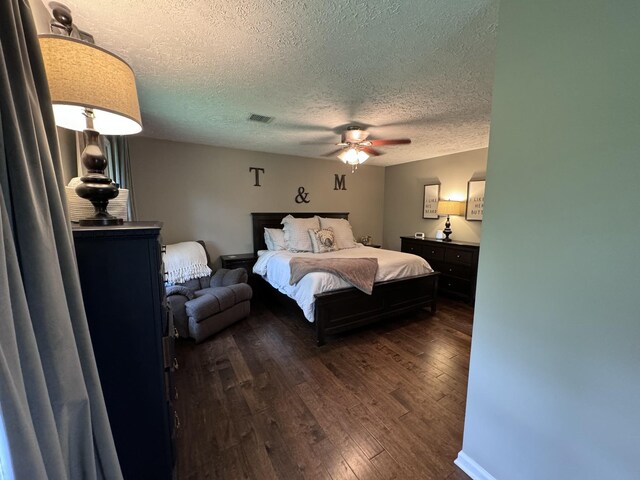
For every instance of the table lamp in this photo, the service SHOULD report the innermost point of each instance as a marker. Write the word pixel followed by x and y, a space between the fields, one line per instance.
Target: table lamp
pixel 93 91
pixel 449 207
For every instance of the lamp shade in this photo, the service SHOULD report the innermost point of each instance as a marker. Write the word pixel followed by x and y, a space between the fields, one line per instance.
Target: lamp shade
pixel 82 75
pixel 449 207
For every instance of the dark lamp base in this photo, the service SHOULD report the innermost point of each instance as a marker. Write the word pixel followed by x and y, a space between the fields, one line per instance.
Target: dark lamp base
pixel 96 186
pixel 100 222
pixel 447 230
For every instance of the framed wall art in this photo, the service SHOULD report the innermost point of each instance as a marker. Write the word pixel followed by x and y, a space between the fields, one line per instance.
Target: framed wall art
pixel 475 200
pixel 430 201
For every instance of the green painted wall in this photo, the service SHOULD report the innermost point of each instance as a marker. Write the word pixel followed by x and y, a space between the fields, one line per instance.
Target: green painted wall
pixel 554 389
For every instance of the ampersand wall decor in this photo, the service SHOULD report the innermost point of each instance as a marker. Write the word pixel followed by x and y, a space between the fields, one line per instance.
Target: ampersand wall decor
pixel 302 196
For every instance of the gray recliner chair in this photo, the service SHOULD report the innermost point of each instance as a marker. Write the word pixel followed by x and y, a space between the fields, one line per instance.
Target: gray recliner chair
pixel 204 306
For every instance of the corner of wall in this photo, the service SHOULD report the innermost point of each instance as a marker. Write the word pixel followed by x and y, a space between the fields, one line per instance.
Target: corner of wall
pixel 471 467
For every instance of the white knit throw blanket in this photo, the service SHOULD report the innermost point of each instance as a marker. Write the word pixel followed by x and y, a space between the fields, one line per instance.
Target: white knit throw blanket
pixel 184 261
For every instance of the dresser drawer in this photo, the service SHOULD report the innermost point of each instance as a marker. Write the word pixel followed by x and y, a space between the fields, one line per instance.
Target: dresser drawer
pixel 458 255
pixel 452 269
pixel 170 389
pixel 433 252
pixel 413 247
pixel 167 352
pixel 455 285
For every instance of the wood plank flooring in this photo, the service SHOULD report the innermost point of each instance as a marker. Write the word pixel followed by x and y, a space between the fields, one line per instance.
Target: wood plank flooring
pixel 261 401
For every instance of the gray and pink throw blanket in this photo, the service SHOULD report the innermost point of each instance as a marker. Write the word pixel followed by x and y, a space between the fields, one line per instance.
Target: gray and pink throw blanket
pixel 359 272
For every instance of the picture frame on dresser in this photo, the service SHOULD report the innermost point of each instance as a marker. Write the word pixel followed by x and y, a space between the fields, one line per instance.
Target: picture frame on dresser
pixel 430 200
pixel 475 200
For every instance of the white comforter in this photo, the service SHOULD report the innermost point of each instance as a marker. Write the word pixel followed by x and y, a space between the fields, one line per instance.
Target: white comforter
pixel 273 266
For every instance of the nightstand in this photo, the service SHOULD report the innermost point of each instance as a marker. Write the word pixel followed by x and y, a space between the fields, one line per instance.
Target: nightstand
pixel 239 260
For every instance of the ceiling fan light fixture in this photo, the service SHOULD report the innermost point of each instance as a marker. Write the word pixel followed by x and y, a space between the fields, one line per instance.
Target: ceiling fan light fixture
pixel 353 156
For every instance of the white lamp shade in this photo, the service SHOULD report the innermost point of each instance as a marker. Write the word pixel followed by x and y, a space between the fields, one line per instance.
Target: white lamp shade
pixel 82 75
pixel 107 123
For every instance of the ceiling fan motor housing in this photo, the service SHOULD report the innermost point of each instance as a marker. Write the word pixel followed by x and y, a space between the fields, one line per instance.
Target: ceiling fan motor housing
pixel 354 134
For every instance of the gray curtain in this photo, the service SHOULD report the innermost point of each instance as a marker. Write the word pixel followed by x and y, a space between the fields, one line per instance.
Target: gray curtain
pixel 50 398
pixel 117 152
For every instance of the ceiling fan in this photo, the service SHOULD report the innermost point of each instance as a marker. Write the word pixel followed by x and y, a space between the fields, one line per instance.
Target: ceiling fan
pixel 356 149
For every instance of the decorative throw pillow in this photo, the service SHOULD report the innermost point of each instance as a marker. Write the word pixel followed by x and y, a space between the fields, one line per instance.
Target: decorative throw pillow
pixel 342 231
pixel 296 233
pixel 274 238
pixel 322 240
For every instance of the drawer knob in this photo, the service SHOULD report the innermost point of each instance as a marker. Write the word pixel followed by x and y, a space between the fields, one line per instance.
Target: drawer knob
pixel 457 256
pixel 176 365
pixel 451 269
pixel 433 251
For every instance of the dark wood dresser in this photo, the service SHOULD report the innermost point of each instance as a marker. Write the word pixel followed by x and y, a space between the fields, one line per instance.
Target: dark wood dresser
pixel 457 261
pixel 132 335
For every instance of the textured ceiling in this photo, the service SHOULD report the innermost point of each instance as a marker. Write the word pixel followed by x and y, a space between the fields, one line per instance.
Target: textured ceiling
pixel 421 69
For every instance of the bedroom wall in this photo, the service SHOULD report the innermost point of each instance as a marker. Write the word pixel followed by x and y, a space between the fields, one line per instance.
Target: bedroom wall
pixel 404 191
pixel 40 15
pixel 554 383
pixel 208 193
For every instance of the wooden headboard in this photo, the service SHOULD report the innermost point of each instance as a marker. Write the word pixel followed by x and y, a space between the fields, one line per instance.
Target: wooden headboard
pixel 272 220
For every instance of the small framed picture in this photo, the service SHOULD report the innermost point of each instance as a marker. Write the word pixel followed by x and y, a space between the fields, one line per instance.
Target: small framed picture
pixel 430 201
pixel 475 200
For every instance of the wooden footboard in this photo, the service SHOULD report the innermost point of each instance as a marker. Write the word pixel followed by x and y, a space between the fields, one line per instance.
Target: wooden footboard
pixel 348 308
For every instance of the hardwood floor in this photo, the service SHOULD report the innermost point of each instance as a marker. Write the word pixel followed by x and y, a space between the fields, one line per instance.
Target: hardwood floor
pixel 261 401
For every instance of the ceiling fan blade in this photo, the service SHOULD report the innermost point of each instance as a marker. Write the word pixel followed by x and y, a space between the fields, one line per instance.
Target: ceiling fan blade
pixel 397 141
pixel 371 151
pixel 331 154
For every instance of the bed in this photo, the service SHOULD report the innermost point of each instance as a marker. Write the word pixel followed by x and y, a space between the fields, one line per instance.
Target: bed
pixel 346 308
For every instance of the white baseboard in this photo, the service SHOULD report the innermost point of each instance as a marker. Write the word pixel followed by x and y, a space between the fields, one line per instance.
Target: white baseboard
pixel 471 468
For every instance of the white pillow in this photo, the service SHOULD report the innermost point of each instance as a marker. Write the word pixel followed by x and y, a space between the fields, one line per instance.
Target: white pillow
pixel 296 233
pixel 323 240
pixel 274 238
pixel 341 230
